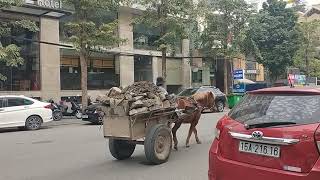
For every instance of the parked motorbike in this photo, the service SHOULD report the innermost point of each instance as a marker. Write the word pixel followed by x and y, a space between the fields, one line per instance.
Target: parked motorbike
pixel 70 108
pixel 56 112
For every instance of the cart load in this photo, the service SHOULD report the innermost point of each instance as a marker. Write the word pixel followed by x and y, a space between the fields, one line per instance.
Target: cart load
pixel 140 97
pixel 139 114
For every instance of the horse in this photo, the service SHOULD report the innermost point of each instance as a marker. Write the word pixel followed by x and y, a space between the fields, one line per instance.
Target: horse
pixel 195 104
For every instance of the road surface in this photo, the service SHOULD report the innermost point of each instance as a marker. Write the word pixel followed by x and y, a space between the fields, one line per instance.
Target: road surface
pixel 79 152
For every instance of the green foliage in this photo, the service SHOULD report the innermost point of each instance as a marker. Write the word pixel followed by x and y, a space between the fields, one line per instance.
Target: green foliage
pixel 176 20
pixel 273 37
pixel 89 34
pixel 309 41
pixel 9 3
pixel 86 32
pixel 226 22
pixel 10 54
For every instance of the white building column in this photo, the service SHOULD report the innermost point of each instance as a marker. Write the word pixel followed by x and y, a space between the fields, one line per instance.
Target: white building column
pixel 186 68
pixel 50 59
pixel 126 70
pixel 156 68
pixel 125 31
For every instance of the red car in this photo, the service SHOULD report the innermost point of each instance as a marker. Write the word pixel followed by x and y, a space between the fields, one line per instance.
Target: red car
pixel 272 134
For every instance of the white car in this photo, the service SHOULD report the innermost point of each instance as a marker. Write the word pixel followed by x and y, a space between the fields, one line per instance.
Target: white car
pixel 21 111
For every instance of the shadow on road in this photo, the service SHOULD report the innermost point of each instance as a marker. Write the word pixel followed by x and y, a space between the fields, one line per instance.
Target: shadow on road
pixel 20 129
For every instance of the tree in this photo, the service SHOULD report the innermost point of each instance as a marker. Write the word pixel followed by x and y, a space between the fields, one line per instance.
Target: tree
pixel 10 53
pixel 87 35
pixel 176 20
pixel 273 37
pixel 309 41
pixel 226 22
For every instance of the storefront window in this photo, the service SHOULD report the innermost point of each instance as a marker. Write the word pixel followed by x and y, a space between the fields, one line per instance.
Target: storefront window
pixel 143 68
pixel 197 76
pixel 101 74
pixel 70 74
pixel 27 76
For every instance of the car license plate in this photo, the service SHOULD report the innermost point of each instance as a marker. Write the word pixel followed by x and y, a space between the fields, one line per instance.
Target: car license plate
pixel 259 149
pixel 85 116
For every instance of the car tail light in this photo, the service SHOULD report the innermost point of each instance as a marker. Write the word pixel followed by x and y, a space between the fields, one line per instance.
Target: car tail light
pixel 217 133
pixel 48 106
pixel 218 129
pixel 317 138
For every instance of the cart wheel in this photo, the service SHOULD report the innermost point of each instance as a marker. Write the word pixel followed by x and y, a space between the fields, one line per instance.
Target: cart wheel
pixel 158 144
pixel 121 149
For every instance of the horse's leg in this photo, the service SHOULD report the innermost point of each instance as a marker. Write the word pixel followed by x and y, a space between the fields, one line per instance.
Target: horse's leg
pixel 195 128
pixel 189 134
pixel 196 135
pixel 174 134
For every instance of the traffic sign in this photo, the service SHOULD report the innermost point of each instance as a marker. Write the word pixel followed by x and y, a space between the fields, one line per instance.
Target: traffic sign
pixel 238 74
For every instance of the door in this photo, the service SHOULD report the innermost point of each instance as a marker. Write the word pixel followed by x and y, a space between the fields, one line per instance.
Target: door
pixel 15 112
pixel 2 106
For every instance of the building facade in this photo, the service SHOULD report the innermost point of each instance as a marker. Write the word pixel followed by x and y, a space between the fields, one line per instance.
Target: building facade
pixel 52 70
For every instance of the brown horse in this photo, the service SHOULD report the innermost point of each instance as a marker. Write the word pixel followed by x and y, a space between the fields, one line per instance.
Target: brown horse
pixel 195 104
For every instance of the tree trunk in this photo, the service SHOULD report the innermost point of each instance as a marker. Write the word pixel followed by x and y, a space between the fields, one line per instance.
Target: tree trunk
pixel 162 14
pixel 84 79
pixel 225 75
pixel 307 61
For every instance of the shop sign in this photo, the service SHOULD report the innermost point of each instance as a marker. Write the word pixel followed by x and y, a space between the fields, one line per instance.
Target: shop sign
pixel 54 4
pixel 238 74
pixel 239 88
pixel 251 71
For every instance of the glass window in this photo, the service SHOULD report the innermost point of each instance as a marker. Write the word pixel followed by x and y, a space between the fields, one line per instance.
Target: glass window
pixel 143 68
pixel 27 76
pixel 216 91
pixel 197 77
pixel 145 37
pixel 1 102
pixel 205 90
pixel 255 109
pixel 12 102
pixel 251 65
pixel 101 74
pixel 188 92
pixel 70 74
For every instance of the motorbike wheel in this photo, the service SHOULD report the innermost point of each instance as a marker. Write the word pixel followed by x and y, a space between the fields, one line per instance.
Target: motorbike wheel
pixel 78 114
pixel 57 115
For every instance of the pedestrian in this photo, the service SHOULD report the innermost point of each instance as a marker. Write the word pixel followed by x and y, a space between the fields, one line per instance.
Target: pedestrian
pixel 161 84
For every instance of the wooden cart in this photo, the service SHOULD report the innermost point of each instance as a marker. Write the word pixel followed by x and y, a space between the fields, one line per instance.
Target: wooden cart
pixel 152 129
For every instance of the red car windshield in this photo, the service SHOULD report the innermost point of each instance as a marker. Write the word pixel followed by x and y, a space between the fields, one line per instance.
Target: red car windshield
pixel 298 109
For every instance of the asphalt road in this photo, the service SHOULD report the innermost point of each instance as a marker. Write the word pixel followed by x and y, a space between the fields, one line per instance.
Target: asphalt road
pixel 79 152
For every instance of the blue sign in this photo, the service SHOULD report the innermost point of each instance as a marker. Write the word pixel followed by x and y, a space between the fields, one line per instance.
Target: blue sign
pixel 238 74
pixel 239 88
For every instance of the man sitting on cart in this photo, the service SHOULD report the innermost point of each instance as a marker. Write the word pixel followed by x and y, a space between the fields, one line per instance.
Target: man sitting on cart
pixel 161 84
